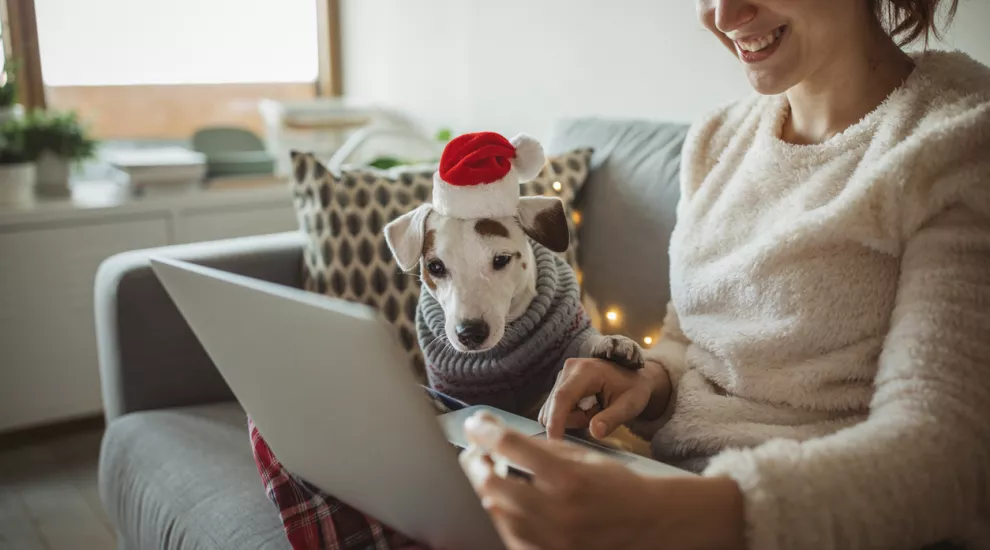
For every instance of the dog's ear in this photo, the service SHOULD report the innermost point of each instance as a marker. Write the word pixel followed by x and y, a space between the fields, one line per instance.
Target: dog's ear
pixel 404 236
pixel 543 219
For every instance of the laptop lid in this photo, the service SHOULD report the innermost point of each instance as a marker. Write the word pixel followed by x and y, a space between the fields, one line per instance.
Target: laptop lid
pixel 328 386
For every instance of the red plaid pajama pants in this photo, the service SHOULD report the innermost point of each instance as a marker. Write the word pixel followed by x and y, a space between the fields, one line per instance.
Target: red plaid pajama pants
pixel 314 520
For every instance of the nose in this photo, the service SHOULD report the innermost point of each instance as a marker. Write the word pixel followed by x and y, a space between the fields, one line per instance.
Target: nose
pixel 732 14
pixel 472 333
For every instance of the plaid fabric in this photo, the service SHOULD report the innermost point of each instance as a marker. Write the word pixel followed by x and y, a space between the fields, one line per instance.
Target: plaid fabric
pixel 314 520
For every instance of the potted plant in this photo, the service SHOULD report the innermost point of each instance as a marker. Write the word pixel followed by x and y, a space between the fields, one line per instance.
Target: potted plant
pixel 60 140
pixel 17 164
pixel 9 108
pixel 386 162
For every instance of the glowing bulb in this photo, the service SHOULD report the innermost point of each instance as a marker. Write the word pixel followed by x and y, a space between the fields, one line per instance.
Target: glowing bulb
pixel 576 217
pixel 648 340
pixel 557 186
pixel 612 316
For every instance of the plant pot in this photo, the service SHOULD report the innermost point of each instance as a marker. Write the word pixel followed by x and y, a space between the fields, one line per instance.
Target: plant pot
pixel 11 112
pixel 53 175
pixel 17 184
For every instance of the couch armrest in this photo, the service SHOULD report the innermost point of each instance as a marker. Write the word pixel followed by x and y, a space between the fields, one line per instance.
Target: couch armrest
pixel 149 357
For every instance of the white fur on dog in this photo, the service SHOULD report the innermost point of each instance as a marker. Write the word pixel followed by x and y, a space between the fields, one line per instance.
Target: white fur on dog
pixel 831 317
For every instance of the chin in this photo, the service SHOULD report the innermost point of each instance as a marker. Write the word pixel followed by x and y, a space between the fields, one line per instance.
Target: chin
pixel 768 82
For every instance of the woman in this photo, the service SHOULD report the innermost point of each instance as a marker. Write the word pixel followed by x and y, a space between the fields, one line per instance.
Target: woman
pixel 825 362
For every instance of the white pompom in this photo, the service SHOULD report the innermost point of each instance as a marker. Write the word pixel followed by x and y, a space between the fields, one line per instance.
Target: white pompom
pixel 529 157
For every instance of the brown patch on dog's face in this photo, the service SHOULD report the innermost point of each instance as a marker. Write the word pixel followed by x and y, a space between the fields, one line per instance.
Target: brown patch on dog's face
pixel 550 229
pixel 429 241
pixel 491 228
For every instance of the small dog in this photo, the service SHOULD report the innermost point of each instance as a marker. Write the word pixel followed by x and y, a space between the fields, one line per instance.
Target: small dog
pixel 484 273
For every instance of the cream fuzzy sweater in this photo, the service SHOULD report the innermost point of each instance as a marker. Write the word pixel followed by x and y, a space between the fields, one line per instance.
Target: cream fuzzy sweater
pixel 829 327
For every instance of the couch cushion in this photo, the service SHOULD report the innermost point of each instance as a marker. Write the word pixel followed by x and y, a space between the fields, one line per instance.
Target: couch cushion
pixel 185 479
pixel 628 210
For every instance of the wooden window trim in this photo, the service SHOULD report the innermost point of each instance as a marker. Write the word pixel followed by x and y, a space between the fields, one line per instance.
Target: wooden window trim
pixel 330 79
pixel 20 44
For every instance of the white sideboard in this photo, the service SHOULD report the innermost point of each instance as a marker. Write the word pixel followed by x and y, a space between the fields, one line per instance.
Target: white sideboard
pixel 49 254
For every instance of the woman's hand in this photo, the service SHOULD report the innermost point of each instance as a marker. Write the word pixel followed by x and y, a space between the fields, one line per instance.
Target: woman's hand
pixel 624 395
pixel 582 499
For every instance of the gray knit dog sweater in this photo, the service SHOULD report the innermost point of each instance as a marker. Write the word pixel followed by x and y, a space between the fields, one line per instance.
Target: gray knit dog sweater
pixel 523 366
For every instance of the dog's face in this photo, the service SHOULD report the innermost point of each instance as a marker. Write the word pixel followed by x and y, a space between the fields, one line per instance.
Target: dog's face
pixel 481 271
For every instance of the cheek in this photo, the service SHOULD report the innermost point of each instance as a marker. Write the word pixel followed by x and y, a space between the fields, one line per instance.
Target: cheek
pixel 705 11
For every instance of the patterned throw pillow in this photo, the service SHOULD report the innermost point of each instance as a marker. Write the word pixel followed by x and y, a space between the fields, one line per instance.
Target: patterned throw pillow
pixel 346 255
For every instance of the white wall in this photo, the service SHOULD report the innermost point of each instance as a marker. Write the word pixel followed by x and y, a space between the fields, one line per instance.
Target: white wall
pixel 517 65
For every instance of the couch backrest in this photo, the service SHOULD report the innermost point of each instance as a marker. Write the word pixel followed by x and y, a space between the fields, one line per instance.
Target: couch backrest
pixel 628 209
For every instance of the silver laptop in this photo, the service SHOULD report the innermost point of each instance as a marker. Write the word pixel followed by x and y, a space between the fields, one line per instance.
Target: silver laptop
pixel 327 384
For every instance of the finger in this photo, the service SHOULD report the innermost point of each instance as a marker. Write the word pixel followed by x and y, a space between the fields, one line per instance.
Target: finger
pixel 543 408
pixel 545 461
pixel 564 400
pixel 625 408
pixel 510 495
pixel 578 419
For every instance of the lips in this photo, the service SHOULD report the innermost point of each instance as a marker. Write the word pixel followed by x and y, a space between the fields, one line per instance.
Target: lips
pixel 757 48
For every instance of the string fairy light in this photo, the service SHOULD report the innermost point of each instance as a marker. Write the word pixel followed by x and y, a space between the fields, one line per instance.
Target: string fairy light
pixel 612 315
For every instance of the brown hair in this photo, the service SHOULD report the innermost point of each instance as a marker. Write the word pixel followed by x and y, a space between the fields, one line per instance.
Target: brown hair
pixel 909 20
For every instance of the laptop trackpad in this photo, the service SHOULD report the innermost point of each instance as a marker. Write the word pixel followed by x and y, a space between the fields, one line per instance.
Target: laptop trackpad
pixel 452 423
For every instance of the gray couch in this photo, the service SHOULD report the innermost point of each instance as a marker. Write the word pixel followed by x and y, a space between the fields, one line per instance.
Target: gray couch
pixel 176 470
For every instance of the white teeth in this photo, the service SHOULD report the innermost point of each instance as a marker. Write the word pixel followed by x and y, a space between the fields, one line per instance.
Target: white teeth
pixel 761 43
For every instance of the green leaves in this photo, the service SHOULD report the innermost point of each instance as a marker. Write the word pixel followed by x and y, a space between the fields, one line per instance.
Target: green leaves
pixel 443 135
pixel 8 84
pixel 61 133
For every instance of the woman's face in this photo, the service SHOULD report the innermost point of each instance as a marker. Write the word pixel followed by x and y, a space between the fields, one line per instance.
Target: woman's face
pixel 782 43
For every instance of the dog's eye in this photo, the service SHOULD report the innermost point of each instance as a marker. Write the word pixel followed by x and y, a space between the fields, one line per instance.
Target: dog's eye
pixel 501 261
pixel 436 268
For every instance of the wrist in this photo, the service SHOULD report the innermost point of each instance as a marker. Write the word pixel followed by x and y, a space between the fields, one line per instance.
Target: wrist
pixel 660 390
pixel 711 513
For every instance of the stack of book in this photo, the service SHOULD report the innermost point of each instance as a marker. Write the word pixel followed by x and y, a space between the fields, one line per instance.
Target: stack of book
pixel 160 170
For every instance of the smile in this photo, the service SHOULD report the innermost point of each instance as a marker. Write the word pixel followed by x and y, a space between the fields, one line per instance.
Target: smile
pixel 759 48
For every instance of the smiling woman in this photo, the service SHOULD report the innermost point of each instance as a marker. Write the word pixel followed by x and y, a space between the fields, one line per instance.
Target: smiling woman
pixel 823 360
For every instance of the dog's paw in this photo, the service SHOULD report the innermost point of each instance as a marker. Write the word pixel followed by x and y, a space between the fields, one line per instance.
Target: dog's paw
pixel 619 350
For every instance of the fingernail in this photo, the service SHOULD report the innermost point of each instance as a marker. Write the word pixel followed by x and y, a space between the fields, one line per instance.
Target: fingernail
pixel 485 432
pixel 599 428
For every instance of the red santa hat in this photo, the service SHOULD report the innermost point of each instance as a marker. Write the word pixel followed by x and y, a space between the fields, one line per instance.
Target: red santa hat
pixel 480 173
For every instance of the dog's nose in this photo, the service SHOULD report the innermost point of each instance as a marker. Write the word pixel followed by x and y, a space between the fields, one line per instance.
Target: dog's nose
pixel 472 333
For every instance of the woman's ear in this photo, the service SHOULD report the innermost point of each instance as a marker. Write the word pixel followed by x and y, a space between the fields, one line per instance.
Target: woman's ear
pixel 543 219
pixel 404 236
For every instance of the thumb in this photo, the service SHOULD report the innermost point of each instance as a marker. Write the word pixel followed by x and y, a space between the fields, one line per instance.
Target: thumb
pixel 622 410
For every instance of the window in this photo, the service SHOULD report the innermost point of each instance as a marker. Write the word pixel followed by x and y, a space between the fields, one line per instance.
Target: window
pixel 153 69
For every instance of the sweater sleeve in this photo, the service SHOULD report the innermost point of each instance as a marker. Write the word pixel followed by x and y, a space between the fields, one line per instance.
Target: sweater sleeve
pixel 916 471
